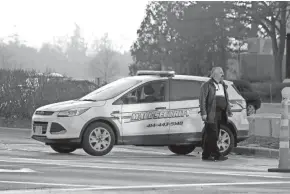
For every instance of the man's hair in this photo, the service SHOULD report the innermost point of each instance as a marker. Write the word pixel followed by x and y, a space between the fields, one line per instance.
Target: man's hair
pixel 213 71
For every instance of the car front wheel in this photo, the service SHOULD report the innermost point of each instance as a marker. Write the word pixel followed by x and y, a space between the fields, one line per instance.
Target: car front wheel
pixel 225 140
pixel 98 139
pixel 181 149
pixel 251 110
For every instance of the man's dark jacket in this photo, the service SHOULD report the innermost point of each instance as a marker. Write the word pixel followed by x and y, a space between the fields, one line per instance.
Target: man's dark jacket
pixel 207 100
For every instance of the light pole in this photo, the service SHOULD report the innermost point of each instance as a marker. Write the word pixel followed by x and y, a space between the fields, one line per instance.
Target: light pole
pixel 287 56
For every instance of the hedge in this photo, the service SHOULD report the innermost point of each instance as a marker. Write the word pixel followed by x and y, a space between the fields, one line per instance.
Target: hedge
pixel 270 91
pixel 22 92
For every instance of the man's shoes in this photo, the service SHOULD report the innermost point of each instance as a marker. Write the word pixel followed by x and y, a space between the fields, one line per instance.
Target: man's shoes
pixel 208 158
pixel 220 158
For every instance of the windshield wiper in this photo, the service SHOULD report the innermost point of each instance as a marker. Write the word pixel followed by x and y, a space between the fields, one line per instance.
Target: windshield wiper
pixel 91 100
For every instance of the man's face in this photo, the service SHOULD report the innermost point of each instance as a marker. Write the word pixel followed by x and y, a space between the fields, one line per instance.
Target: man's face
pixel 219 75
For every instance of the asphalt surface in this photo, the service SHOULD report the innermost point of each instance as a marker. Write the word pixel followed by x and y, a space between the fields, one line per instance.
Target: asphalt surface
pixel 27 166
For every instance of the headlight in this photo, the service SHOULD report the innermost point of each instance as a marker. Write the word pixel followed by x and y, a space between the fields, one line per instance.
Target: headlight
pixel 72 112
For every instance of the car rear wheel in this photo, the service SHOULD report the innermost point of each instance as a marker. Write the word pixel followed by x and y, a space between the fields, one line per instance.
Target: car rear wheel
pixel 98 139
pixel 63 149
pixel 225 141
pixel 251 110
pixel 181 149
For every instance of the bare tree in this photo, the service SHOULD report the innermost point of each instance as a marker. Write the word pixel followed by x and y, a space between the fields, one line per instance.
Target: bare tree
pixel 5 56
pixel 104 63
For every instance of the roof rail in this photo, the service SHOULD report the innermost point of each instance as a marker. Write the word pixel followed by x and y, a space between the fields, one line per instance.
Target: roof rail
pixel 158 73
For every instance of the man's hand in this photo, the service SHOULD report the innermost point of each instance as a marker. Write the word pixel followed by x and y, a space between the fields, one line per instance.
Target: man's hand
pixel 203 117
pixel 230 114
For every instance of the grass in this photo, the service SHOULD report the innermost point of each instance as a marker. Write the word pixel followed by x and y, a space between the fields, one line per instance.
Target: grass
pixel 15 123
pixel 258 141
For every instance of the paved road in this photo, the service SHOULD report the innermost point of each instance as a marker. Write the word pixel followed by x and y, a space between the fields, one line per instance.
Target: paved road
pixel 29 167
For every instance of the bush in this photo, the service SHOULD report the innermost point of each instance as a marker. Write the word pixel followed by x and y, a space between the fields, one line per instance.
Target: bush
pixel 251 79
pixel 24 91
pixel 270 90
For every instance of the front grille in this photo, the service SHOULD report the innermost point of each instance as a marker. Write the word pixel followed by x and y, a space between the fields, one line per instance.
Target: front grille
pixel 43 125
pixel 45 113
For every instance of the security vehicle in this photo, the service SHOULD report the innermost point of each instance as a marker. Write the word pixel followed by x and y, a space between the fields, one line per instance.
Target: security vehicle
pixel 153 108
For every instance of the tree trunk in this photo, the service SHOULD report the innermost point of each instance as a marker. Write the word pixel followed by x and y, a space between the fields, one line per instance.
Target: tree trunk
pixel 278 59
pixel 278 67
pixel 287 68
pixel 278 51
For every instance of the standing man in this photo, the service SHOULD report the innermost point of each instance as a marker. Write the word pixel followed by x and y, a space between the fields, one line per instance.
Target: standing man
pixel 214 108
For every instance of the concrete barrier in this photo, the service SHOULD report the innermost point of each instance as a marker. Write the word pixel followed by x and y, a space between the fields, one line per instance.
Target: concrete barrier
pixel 275 126
pixel 265 125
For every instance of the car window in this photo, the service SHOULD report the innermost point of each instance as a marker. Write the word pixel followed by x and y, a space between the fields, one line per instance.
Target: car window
pixel 148 93
pixel 243 86
pixel 237 89
pixel 184 90
pixel 233 92
pixel 112 89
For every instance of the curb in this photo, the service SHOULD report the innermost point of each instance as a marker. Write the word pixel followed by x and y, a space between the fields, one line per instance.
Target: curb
pixel 256 151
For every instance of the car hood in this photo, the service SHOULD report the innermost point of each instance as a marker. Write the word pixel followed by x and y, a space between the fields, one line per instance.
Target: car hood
pixel 71 104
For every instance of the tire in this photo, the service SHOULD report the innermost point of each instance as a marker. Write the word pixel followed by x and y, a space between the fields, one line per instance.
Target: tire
pixel 251 110
pixel 63 149
pixel 226 140
pixel 181 149
pixel 93 130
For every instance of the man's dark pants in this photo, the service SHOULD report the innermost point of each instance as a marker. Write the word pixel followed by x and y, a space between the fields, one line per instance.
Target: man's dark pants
pixel 212 130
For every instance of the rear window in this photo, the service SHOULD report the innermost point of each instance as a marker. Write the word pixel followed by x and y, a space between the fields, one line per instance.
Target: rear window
pixel 233 85
pixel 242 86
pixel 233 92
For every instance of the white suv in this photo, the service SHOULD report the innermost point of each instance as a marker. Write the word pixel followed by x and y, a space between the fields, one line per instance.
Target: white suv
pixel 153 108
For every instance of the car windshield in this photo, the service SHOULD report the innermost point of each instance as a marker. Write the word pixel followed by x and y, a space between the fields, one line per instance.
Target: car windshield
pixel 111 90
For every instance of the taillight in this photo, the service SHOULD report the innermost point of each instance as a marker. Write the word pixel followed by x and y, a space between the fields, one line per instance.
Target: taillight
pixel 241 103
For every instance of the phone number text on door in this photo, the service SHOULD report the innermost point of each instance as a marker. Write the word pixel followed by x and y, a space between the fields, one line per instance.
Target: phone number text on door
pixel 165 124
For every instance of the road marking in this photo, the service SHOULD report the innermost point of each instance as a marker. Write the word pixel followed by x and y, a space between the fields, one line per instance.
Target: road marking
pixel 139 168
pixel 20 170
pixel 138 151
pixel 158 163
pixel 174 186
pixel 26 144
pixel 30 150
pixel 37 160
pixel 47 184
pixel 103 188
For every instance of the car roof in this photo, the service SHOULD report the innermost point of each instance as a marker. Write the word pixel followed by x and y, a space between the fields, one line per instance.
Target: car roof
pixel 180 77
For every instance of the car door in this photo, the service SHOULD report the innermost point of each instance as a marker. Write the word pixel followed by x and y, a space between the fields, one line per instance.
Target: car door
pixel 144 119
pixel 186 124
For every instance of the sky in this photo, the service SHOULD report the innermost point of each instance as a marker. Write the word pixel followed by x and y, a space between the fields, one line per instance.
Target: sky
pixel 39 21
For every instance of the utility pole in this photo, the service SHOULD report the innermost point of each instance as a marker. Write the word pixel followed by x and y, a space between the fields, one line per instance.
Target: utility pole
pixel 288 56
pixel 162 44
